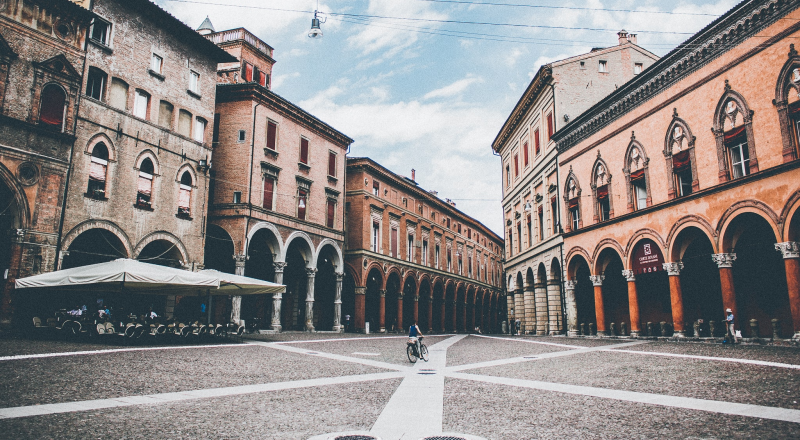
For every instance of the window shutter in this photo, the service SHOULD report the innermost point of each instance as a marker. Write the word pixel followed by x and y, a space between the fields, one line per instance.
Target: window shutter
pixel 549 126
pixel 331 213
pixel 516 165
pixel 636 175
pixel 394 242
pixel 269 188
pixel 52 112
pixel 537 140
pixel 525 154
pixel 145 185
pixel 248 72
pixel 680 161
pixel 602 192
pixel 301 205
pixel 97 169
pixel 331 164
pixel 304 151
pixel 184 197
pixel 272 134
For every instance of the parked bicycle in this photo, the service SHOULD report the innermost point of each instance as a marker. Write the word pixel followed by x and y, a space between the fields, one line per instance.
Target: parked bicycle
pixel 415 353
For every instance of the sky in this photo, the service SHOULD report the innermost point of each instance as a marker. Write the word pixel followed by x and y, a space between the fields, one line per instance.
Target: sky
pixel 427 84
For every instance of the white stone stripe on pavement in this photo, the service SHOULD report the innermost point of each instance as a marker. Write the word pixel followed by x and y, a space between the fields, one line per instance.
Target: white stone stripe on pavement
pixel 337 357
pixel 113 350
pixel 715 406
pixel 710 358
pixel 528 341
pixel 92 405
pixel 536 357
pixel 417 407
pixel 347 339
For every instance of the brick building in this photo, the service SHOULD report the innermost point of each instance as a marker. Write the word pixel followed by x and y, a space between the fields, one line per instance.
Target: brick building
pixel 413 257
pixel 531 196
pixel 668 241
pixel 276 209
pixel 138 183
pixel 41 60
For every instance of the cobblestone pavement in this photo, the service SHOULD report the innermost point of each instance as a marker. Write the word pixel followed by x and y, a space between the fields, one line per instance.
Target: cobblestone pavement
pixel 297 386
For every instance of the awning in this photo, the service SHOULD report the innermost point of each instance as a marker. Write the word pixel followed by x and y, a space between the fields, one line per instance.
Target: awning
pixel 230 284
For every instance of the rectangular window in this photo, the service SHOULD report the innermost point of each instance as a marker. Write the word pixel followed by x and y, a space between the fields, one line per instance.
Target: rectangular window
pixel 516 166
pixel 118 95
pixel 165 111
pixel 425 252
pixel 550 127
pixel 96 83
pixel 537 142
pixel 574 214
pixel 247 72
pixel 155 63
pixel 510 243
pixel 393 242
pixel 540 213
pixel 97 177
pixel 330 220
pixel 263 78
pixel 376 236
pixel 508 176
pixel 637 68
pixel 141 104
pixel 376 188
pixel 184 123
pixel 304 151
pixel 410 248
pixel 449 259
pixel 554 214
pixel 215 129
pixel 100 31
pixel 302 196
pixel 603 204
pixel 530 231
pixel 242 136
pixel 740 157
pixel 525 153
pixel 269 192
pixel 682 169
pixel 602 66
pixel 469 266
pixel 237 197
pixel 144 189
pixel 184 200
pixel 272 135
pixel 448 223
pixel 200 130
pixel 332 164
pixel 460 265
pixel 436 256
pixel 639 189
pixel 519 237
pixel 194 82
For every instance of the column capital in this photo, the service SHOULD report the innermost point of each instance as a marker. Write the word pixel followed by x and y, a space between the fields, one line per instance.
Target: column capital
pixel 311 272
pixel 724 260
pixel 673 269
pixel 360 290
pixel 382 293
pixel 279 266
pixel 400 296
pixel 597 280
pixel 416 298
pixel 570 284
pixel 629 275
pixel 240 259
pixel 339 276
pixel 789 249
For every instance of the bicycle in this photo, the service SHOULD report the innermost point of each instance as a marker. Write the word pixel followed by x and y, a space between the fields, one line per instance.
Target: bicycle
pixel 411 351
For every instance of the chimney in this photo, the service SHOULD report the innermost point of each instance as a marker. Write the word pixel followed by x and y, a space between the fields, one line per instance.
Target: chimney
pixel 623 37
pixel 632 38
pixel 413 174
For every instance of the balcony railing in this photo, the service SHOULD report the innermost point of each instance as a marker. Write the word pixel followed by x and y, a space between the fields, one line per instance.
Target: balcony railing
pixel 240 34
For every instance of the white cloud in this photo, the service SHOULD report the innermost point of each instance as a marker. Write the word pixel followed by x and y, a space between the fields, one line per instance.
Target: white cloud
pixel 513 56
pixel 452 89
pixel 277 80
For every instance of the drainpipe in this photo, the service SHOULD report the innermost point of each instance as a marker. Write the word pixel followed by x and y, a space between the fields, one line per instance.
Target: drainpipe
pixel 560 229
pixel 250 184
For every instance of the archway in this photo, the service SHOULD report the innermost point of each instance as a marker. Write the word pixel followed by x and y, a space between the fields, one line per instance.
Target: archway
pixel 409 291
pixel 540 306
pixel 700 284
pixel 219 250
pixel 295 277
pixel 461 298
pixel 584 294
pixel 372 307
pixel 325 288
pixel 94 246
pixel 555 301
pixel 163 253
pixel 615 290
pixel 437 307
pixel 449 307
pixel 348 301
pixel 393 286
pixel 652 287
pixel 425 305
pixel 261 252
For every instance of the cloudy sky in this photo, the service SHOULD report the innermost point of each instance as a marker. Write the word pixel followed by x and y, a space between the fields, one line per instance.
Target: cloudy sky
pixel 427 84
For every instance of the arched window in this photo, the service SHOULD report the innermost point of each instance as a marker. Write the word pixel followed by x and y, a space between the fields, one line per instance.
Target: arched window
pixel 601 187
pixel 98 170
pixel 637 177
pixel 185 195
pixel 787 101
pixel 53 102
pixel 733 129
pixel 145 186
pixel 680 157
pixel 572 199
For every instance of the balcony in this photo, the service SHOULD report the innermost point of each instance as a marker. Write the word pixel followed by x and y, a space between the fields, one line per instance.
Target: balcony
pixel 240 34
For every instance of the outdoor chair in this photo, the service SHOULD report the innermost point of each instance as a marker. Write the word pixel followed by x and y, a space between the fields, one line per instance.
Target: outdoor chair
pixel 110 330
pixel 130 329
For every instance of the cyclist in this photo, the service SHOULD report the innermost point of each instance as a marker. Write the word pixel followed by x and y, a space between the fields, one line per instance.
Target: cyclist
pixel 416 335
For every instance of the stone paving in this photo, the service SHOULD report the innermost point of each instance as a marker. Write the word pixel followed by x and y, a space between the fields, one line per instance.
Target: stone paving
pixel 299 386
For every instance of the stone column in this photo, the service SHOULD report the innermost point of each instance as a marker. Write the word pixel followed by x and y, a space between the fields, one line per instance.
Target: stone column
pixel 400 311
pixel 473 323
pixel 519 309
pixel 676 296
pixel 236 300
pixel 7 308
pixel 464 325
pixel 791 259
pixel 443 315
pixel 725 265
pixel 453 312
pixel 337 304
pixel 311 275
pixel 382 312
pixel 416 308
pixel 600 313
pixel 61 256
pixel 277 298
pixel 540 304
pixel 509 304
pixel 572 307
pixel 633 301
pixel 359 319
pixel 528 313
pixel 554 307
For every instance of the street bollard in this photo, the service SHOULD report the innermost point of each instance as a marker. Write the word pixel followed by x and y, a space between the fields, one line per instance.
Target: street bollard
pixel 754 328
pixel 650 329
pixel 623 329
pixel 776 329
pixel 712 328
pixel 663 325
pixel 612 329
pixel 591 328
pixel 697 329
pixel 583 329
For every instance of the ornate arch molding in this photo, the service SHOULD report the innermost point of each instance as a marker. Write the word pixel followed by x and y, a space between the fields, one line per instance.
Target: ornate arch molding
pixel 555 269
pixel 148 154
pixel 572 191
pixel 731 112
pixel 603 244
pixel 786 212
pixel 575 252
pixel 353 272
pixel 166 236
pixel 601 174
pixel 98 224
pixel 635 160
pixel 746 206
pixel 636 237
pixel 696 221
pixel 679 138
pixel 438 280
pixel 395 270
pixel 280 252
pixel 410 275
pixel 338 251
pixel 788 81
pixel 23 208
pixel 307 249
pixel 374 265
pixel 103 138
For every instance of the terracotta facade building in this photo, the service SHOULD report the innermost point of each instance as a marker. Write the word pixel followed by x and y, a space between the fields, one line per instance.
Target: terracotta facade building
pixel 531 196
pixel 681 189
pixel 276 208
pixel 412 257
pixel 41 63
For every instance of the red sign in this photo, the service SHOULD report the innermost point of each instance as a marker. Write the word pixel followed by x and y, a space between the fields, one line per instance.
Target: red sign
pixel 647 257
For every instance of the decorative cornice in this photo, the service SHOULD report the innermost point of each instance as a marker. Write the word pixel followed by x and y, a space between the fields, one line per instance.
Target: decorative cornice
pixel 788 249
pixel 521 109
pixel 719 37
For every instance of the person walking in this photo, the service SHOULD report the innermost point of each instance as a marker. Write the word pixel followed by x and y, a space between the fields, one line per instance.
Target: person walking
pixel 730 332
